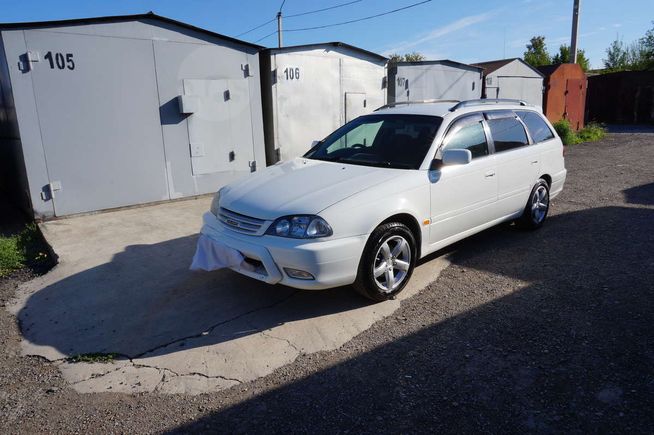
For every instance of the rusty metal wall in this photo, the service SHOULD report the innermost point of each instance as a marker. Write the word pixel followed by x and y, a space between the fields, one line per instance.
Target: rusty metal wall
pixel 621 98
pixel 565 95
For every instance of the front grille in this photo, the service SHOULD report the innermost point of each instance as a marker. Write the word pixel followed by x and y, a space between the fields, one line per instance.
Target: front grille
pixel 241 223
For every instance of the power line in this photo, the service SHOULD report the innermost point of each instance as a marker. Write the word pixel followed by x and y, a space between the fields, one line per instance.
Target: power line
pixel 255 28
pixel 280 8
pixel 297 15
pixel 359 19
pixel 323 9
pixel 267 36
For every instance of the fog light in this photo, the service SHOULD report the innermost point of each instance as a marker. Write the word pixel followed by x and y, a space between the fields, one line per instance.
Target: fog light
pixel 298 274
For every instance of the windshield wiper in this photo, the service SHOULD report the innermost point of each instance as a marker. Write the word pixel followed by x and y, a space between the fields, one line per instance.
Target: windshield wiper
pixel 388 164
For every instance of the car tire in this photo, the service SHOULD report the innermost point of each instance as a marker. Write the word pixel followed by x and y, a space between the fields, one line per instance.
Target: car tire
pixel 387 262
pixel 537 207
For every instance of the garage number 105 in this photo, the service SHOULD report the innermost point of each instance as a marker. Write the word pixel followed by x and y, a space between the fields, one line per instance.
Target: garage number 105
pixel 60 61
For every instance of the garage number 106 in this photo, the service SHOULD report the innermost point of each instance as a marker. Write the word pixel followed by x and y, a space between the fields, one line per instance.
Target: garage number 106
pixel 60 61
pixel 292 73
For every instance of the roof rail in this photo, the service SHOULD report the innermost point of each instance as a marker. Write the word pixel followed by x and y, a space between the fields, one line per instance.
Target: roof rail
pixel 400 103
pixel 481 101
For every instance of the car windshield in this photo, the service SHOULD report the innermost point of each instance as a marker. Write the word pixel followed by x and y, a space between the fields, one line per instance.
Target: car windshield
pixel 393 141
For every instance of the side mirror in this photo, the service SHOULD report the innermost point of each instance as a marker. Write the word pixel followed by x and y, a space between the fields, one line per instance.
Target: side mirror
pixel 456 157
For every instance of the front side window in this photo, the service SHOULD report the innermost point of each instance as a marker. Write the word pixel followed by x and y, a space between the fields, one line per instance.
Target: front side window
pixel 468 134
pixel 507 133
pixel 394 141
pixel 538 128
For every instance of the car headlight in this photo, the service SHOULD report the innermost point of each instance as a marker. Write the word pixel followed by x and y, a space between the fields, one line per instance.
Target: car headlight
pixel 300 227
pixel 215 204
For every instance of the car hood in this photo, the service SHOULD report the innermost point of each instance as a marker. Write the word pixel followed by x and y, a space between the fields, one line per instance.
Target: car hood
pixel 300 186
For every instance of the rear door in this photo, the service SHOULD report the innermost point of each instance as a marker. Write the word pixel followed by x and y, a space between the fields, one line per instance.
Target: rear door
pixel 463 196
pixel 517 161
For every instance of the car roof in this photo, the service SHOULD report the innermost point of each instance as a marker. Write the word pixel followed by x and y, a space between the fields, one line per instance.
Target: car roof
pixel 444 108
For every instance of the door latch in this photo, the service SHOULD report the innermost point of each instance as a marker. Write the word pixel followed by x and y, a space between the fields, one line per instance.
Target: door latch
pixel 52 187
pixel 253 166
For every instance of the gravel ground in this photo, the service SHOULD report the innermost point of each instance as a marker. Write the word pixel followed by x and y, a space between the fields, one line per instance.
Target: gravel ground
pixel 547 331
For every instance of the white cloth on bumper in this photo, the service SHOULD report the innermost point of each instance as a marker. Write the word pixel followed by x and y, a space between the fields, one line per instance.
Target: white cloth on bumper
pixel 212 255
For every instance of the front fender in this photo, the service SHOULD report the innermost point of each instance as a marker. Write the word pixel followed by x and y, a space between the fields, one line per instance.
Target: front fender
pixel 361 213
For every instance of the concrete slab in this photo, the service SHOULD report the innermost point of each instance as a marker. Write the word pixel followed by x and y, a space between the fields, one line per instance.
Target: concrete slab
pixel 123 286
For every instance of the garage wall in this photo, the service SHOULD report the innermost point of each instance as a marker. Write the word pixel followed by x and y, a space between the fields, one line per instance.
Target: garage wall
pixel 515 81
pixel 416 81
pixel 100 120
pixel 335 84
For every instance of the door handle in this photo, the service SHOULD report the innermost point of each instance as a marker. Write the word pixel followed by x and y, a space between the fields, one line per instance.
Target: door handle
pixel 534 162
pixel 489 174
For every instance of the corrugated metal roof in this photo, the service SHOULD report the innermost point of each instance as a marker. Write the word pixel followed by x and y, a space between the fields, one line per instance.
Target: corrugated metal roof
pixel 493 65
pixel 119 18
pixel 330 44
pixel 442 62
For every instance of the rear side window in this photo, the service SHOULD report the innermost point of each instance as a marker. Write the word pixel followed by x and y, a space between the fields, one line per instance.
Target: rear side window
pixel 468 134
pixel 507 134
pixel 538 128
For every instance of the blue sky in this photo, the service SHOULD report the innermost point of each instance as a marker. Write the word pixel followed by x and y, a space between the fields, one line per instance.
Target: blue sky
pixel 462 30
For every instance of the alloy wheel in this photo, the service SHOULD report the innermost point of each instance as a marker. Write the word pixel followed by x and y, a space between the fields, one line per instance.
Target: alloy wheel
pixel 392 263
pixel 540 202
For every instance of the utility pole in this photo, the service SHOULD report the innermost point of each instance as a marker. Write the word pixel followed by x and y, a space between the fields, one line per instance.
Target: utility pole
pixel 575 28
pixel 279 29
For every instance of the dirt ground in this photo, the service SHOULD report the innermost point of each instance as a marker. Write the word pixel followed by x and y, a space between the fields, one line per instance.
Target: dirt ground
pixel 547 331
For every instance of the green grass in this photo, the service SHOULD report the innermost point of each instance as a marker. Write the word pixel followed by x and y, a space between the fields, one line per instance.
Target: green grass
pixel 95 357
pixel 21 250
pixel 11 256
pixel 591 133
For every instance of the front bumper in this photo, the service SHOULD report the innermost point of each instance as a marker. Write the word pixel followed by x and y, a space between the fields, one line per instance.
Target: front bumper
pixel 332 262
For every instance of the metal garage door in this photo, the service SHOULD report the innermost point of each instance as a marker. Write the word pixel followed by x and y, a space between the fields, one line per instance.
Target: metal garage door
pixel 308 99
pixel 574 100
pixel 219 128
pixel 98 113
pixel 355 105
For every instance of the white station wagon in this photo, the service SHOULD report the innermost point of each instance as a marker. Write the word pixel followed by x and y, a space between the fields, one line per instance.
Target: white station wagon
pixel 364 204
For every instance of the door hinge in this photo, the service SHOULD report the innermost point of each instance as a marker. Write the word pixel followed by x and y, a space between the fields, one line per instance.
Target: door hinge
pixel 253 166
pixel 245 67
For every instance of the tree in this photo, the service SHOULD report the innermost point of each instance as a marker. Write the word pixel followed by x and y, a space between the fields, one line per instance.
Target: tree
pixel 647 45
pixel 616 57
pixel 536 54
pixel 637 57
pixel 563 56
pixel 408 57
